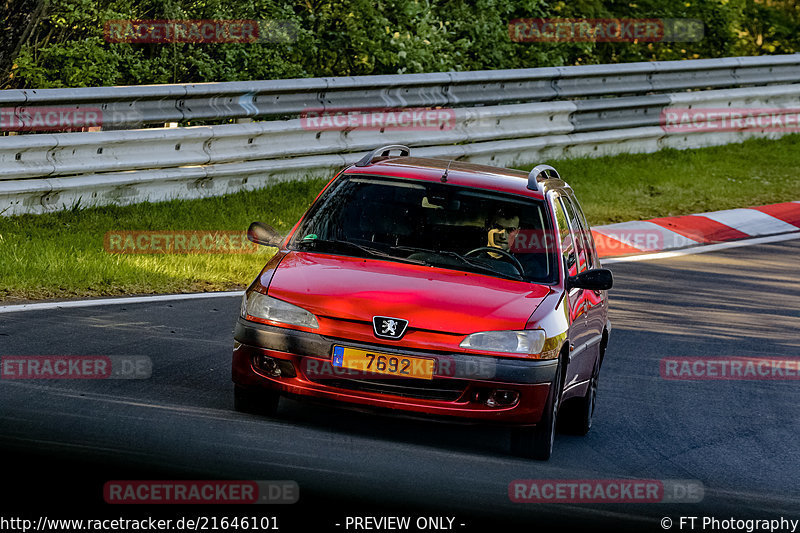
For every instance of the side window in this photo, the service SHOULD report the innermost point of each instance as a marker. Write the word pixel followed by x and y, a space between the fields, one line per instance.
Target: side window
pixel 565 237
pixel 578 234
pixel 588 238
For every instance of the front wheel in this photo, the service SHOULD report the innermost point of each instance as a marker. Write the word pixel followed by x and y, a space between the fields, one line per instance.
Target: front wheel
pixel 578 419
pixel 537 442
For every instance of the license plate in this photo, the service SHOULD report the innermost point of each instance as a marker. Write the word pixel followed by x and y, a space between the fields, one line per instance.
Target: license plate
pixel 383 363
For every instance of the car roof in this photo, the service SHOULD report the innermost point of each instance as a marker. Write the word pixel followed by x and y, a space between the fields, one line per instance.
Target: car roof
pixel 458 173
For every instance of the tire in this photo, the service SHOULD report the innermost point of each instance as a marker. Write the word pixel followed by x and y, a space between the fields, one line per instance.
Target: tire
pixel 262 402
pixel 577 416
pixel 578 419
pixel 537 442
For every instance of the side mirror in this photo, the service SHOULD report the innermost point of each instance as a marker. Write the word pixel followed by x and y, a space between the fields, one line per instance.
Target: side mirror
pixel 264 235
pixel 596 279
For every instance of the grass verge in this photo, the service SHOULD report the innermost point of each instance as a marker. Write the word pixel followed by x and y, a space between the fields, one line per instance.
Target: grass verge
pixel 61 255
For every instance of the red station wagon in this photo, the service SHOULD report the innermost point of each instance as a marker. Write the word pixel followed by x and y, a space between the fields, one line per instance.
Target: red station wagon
pixel 435 288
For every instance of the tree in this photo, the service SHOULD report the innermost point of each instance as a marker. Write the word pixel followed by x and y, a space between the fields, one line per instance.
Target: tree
pixel 21 17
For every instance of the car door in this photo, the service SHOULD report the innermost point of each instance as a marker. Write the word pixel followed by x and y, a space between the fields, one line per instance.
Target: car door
pixel 582 358
pixel 579 368
pixel 593 301
pixel 596 301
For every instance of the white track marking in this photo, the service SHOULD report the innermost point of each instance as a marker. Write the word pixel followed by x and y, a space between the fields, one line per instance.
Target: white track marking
pixel 116 301
pixel 750 221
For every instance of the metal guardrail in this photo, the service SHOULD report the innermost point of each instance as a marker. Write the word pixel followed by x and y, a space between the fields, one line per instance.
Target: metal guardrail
pixel 44 172
pixel 135 106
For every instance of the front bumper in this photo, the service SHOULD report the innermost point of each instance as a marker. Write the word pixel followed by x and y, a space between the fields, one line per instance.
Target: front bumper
pixel 460 388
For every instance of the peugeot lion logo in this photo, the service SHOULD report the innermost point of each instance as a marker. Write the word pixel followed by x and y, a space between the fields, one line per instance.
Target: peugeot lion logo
pixel 386 327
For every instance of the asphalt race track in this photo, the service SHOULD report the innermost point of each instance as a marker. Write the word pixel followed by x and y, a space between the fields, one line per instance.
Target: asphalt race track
pixel 61 440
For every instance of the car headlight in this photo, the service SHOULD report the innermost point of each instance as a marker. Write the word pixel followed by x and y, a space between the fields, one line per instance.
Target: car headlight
pixel 528 342
pixel 266 307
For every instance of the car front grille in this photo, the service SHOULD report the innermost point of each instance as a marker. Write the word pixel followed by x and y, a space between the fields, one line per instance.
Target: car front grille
pixel 435 389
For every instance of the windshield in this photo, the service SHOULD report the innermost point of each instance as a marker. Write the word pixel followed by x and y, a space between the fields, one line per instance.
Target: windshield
pixel 434 224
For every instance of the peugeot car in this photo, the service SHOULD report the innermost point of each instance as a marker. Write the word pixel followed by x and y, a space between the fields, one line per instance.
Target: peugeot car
pixel 435 288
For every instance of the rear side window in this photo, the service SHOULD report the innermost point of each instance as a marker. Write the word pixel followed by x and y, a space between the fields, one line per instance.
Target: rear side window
pixel 588 238
pixel 579 234
pixel 565 236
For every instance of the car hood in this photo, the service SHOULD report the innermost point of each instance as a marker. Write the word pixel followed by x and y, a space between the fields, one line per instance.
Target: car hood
pixel 433 299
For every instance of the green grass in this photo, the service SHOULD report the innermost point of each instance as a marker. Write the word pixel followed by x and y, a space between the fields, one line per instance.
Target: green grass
pixel 61 255
pixel 681 182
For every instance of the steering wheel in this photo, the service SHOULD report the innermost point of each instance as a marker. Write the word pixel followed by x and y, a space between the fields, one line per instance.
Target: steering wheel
pixel 506 256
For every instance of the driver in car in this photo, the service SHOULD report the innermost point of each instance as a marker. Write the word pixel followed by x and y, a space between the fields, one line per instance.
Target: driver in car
pixel 501 230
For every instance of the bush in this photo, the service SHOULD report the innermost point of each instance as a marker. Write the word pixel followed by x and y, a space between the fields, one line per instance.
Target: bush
pixel 62 45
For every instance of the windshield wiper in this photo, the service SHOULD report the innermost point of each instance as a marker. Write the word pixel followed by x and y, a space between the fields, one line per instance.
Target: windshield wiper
pixel 462 259
pixel 335 244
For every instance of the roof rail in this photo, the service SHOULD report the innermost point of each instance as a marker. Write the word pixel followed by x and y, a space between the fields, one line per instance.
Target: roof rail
pixel 383 152
pixel 538 170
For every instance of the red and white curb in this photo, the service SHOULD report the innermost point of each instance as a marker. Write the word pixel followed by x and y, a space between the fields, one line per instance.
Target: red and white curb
pixel 674 233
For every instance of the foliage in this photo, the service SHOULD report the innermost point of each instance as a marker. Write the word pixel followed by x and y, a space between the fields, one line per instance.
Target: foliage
pixel 65 46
